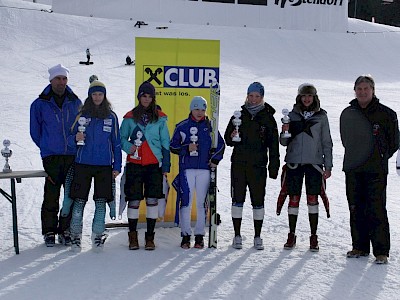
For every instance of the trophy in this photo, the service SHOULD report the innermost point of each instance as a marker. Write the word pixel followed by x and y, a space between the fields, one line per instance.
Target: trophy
pixel 138 143
pixel 81 128
pixel 286 120
pixel 237 122
pixel 194 138
pixel 6 152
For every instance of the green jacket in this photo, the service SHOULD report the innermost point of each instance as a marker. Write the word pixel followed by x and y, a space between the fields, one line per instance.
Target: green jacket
pixel 370 136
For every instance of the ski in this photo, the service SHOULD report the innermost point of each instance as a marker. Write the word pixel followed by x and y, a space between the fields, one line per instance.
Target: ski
pixel 398 162
pixel 212 190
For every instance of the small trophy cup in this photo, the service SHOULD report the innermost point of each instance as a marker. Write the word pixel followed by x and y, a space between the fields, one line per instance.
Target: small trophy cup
pixel 138 143
pixel 6 152
pixel 286 120
pixel 194 138
pixel 81 128
pixel 237 122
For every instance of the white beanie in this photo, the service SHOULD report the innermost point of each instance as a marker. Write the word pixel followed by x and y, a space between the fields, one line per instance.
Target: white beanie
pixel 58 70
pixel 198 102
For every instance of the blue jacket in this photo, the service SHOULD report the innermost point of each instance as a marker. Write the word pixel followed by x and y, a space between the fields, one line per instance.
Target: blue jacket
pixel 102 142
pixel 50 125
pixel 155 134
pixel 180 145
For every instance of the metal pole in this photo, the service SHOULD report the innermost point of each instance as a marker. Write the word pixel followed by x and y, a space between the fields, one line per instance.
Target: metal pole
pixel 14 213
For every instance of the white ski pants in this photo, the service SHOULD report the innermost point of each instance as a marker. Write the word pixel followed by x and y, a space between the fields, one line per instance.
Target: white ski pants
pixel 198 181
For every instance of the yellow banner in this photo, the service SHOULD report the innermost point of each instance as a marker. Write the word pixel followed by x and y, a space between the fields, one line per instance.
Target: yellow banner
pixel 179 69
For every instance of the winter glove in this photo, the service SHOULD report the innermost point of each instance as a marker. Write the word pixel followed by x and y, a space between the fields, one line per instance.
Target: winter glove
pixel 273 170
pixel 273 174
pixel 112 207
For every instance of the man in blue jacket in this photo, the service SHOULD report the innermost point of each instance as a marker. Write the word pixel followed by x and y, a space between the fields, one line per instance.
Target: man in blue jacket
pixel 51 117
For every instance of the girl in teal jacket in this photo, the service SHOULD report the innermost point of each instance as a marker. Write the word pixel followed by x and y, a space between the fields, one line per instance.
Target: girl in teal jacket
pixel 145 138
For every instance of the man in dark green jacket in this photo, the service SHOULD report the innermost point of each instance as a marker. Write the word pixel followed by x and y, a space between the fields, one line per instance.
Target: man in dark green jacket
pixel 370 135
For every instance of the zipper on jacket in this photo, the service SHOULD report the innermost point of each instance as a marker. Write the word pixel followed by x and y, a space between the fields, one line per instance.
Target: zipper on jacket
pixel 62 123
pixel 375 133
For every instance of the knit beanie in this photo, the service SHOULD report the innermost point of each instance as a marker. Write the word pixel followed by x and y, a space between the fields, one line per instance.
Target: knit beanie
pixel 198 102
pixel 96 86
pixel 146 88
pixel 58 70
pixel 93 78
pixel 307 89
pixel 256 87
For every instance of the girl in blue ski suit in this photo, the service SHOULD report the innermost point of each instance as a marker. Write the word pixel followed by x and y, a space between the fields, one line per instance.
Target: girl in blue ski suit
pixel 100 158
pixel 195 159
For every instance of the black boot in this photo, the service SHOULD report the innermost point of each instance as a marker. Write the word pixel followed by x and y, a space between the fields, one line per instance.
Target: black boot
pixel 314 243
pixel 185 244
pixel 291 240
pixel 149 238
pixel 198 241
pixel 313 218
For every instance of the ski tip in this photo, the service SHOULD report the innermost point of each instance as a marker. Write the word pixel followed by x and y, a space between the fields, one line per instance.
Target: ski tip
pixel 214 85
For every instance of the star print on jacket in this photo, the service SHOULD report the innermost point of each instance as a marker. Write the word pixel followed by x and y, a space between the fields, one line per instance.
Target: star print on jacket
pixel 308 125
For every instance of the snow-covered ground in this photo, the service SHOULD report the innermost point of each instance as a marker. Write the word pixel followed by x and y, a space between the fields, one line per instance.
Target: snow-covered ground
pixel 33 40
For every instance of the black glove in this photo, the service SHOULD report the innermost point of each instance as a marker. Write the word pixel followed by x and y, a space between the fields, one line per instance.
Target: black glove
pixel 273 174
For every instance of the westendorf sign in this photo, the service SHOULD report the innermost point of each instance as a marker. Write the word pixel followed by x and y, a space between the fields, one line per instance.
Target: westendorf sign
pixel 299 2
pixel 315 15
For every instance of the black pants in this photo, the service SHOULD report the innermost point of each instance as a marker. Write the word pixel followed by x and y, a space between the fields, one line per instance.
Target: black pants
pixel 82 182
pixel 254 177
pixel 143 182
pixel 56 167
pixel 294 179
pixel 366 195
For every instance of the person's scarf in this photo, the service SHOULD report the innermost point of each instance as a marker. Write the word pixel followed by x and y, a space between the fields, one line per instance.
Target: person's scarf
pixel 144 120
pixel 254 109
pixel 307 114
